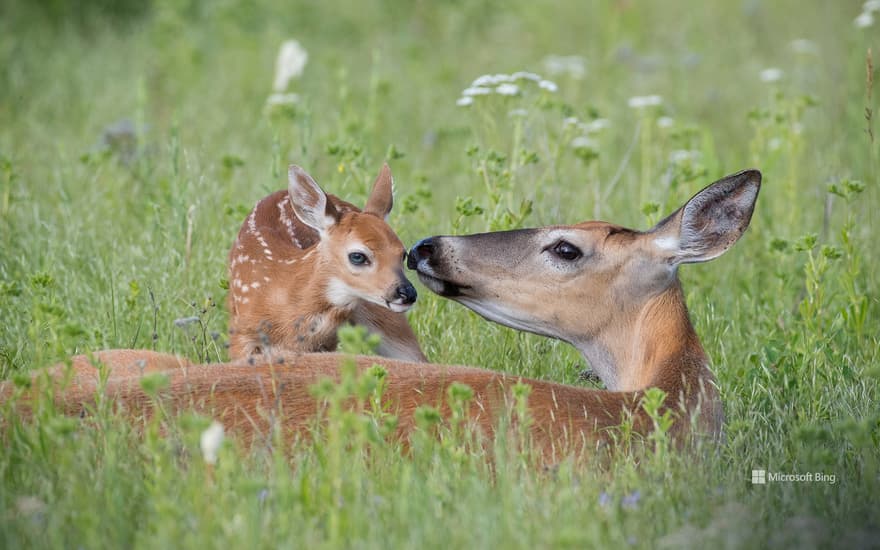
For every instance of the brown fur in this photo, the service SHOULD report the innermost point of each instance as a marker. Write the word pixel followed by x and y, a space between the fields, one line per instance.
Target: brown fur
pixel 279 270
pixel 620 302
pixel 249 400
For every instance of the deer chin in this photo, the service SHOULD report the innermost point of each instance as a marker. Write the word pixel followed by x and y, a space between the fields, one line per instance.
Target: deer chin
pixel 438 285
pixel 397 307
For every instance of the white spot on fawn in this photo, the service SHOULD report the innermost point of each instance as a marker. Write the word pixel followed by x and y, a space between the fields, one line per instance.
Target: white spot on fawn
pixel 252 219
pixel 252 229
pixel 287 221
pixel 266 279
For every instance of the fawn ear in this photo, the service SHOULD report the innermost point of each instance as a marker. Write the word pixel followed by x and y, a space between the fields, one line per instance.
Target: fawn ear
pixel 310 203
pixel 381 199
pixel 711 221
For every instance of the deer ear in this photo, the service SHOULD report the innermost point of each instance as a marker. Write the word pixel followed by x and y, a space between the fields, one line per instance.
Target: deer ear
pixel 381 197
pixel 711 221
pixel 310 203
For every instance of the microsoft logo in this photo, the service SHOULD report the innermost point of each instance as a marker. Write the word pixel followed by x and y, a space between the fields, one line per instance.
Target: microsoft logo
pixel 759 477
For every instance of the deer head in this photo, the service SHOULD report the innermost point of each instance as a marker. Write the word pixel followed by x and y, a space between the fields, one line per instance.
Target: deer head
pixel 360 253
pixel 599 286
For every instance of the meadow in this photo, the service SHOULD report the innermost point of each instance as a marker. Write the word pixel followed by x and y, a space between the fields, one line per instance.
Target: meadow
pixel 135 137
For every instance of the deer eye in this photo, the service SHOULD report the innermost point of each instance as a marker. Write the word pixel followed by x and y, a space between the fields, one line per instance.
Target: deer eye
pixel 358 258
pixel 566 251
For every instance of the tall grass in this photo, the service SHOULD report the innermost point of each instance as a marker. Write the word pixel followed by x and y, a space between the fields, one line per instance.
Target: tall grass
pixel 111 231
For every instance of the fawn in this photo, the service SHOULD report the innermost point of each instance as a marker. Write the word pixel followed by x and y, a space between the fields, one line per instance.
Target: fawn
pixel 306 262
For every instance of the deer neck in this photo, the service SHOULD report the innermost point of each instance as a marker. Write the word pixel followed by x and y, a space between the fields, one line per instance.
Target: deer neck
pixel 655 345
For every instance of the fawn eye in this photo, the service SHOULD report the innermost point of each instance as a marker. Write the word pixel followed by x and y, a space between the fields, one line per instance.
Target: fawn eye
pixel 566 251
pixel 358 258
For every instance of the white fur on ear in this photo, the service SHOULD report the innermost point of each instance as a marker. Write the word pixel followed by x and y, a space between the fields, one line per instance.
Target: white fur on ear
pixel 711 221
pixel 667 243
pixel 309 202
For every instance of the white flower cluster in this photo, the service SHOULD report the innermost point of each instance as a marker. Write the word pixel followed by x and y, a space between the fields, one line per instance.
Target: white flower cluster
pixel 866 18
pixel 681 156
pixel 504 85
pixel 291 62
pixel 644 101
pixel 593 127
pixel 771 74
pixel 570 65
pixel 588 131
pixel 210 442
pixel 665 122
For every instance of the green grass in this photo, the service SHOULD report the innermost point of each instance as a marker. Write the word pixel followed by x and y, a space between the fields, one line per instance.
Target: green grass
pixel 94 254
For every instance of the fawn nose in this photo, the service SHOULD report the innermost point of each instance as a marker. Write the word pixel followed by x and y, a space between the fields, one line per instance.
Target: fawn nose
pixel 407 293
pixel 422 250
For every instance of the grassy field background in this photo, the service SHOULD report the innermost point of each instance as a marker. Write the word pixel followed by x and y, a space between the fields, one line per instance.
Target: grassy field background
pixel 135 137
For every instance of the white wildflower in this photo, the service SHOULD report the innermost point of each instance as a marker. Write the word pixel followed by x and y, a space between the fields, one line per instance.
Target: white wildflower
pixel 291 61
pixel 507 89
pixel 570 121
pixel 864 20
pixel 584 142
pixel 683 155
pixel 771 74
pixel 642 101
pixel 665 122
pixel 804 46
pixel 516 113
pixel 596 125
pixel 523 75
pixel 774 144
pixel 282 99
pixel 870 6
pixel 548 85
pixel 476 90
pixel 491 80
pixel 483 80
pixel 571 65
pixel 464 101
pixel 210 442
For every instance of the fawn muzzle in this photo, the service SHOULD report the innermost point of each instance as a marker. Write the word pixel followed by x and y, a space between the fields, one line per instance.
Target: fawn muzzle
pixel 406 293
pixel 401 297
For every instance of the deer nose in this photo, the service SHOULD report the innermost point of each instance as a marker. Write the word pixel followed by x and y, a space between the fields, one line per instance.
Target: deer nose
pixel 422 250
pixel 407 293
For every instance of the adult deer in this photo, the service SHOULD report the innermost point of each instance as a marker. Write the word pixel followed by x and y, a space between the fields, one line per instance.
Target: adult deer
pixel 306 262
pixel 612 292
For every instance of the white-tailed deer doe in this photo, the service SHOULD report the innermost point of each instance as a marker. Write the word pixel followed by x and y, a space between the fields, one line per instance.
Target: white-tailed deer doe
pixel 612 292
pixel 306 262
